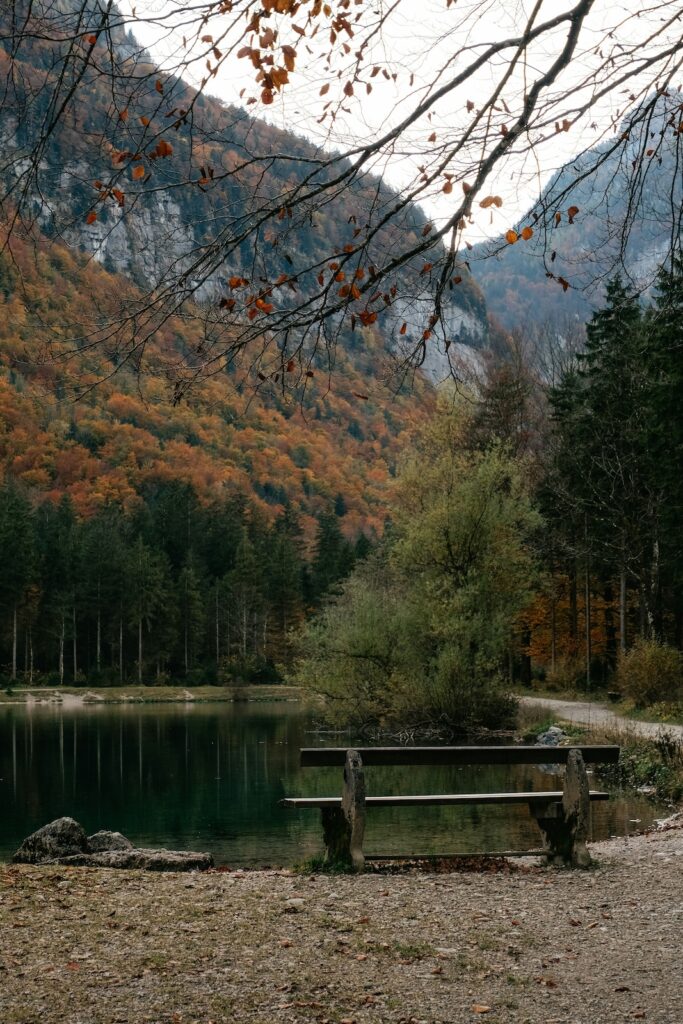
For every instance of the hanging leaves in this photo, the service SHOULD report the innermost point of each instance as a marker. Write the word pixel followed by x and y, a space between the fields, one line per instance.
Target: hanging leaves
pixel 162 149
pixel 91 218
pixel 527 233
pixel 138 172
pixel 511 237
pixel 571 213
pixel 491 201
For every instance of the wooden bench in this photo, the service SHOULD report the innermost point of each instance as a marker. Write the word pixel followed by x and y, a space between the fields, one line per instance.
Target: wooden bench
pixel 563 816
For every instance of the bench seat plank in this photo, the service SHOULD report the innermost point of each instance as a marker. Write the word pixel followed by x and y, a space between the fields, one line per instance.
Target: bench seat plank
pixel 319 757
pixel 422 800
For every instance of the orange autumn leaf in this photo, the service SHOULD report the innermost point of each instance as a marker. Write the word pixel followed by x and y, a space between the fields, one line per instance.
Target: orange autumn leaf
pixel 91 218
pixel 511 237
pixel 138 172
pixel 527 233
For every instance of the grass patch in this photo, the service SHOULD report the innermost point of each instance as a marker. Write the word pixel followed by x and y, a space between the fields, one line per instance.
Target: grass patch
pixel 321 866
pixel 413 950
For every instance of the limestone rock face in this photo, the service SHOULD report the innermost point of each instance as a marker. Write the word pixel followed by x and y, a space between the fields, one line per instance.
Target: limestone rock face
pixel 63 837
pixel 103 841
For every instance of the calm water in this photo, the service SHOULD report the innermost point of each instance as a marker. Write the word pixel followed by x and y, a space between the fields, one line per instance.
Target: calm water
pixel 209 777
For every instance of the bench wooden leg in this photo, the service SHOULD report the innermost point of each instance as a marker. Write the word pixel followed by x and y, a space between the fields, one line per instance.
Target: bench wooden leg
pixel 565 825
pixel 344 827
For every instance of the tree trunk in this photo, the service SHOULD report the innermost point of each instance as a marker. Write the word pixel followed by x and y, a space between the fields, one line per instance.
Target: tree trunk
pixel 573 605
pixel 30 655
pixel 120 649
pixel 61 652
pixel 218 634
pixel 553 632
pixel 14 644
pixel 99 630
pixel 140 651
pixel 525 657
pixel 587 608
pixel 75 641
pixel 610 630
pixel 622 611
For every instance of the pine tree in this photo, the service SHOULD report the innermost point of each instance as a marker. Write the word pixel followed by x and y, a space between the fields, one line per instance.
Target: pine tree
pixel 664 423
pixel 18 554
pixel 332 558
pixel 285 579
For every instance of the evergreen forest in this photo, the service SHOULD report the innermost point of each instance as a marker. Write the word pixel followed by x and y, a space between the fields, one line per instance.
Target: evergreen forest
pixel 175 590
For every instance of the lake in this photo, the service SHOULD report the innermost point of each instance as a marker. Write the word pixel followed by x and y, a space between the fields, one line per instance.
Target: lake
pixel 209 777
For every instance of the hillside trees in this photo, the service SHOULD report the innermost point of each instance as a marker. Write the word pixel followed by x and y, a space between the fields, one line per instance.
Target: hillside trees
pixel 328 247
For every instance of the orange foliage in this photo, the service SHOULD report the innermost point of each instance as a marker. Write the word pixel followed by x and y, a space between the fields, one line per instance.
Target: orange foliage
pixel 124 434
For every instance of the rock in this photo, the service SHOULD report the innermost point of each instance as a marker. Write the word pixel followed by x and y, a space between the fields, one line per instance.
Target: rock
pixel 147 860
pixel 64 842
pixel 551 737
pixel 63 837
pixel 103 842
pixel 294 906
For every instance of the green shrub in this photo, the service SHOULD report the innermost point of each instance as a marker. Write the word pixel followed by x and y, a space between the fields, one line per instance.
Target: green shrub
pixel 650 672
pixel 567 675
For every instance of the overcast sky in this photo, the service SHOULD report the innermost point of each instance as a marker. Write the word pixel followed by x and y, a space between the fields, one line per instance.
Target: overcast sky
pixel 421 37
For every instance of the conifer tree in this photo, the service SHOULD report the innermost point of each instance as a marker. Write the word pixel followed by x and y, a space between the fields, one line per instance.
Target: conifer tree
pixel 17 547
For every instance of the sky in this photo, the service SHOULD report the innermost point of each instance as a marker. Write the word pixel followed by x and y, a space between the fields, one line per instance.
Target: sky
pixel 425 41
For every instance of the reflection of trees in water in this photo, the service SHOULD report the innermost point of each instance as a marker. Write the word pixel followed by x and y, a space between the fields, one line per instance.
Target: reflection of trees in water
pixel 202 778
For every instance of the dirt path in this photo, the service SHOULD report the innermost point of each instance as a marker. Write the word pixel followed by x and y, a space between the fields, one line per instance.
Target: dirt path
pixel 587 713
pixel 532 946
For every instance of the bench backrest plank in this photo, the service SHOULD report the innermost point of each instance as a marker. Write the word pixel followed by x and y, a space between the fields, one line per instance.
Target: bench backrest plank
pixel 319 757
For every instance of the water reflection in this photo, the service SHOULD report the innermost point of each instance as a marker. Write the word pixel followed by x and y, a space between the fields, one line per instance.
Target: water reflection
pixel 210 777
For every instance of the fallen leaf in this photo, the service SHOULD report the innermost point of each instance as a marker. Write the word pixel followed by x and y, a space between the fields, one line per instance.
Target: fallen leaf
pixel 480 1008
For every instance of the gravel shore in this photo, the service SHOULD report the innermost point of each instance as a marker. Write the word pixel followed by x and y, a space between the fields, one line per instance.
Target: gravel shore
pixel 528 944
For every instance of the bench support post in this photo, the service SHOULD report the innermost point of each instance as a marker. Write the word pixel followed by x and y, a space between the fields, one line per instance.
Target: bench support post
pixel 565 825
pixel 344 827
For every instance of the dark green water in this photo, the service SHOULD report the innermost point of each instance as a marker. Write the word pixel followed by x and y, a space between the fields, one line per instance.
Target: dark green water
pixel 209 777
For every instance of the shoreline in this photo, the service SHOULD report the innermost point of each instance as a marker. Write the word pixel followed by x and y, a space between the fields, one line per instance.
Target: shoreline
pixel 83 696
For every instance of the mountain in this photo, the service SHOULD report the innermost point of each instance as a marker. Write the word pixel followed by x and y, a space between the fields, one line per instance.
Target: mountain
pixel 211 167
pixel 88 367
pixel 627 193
